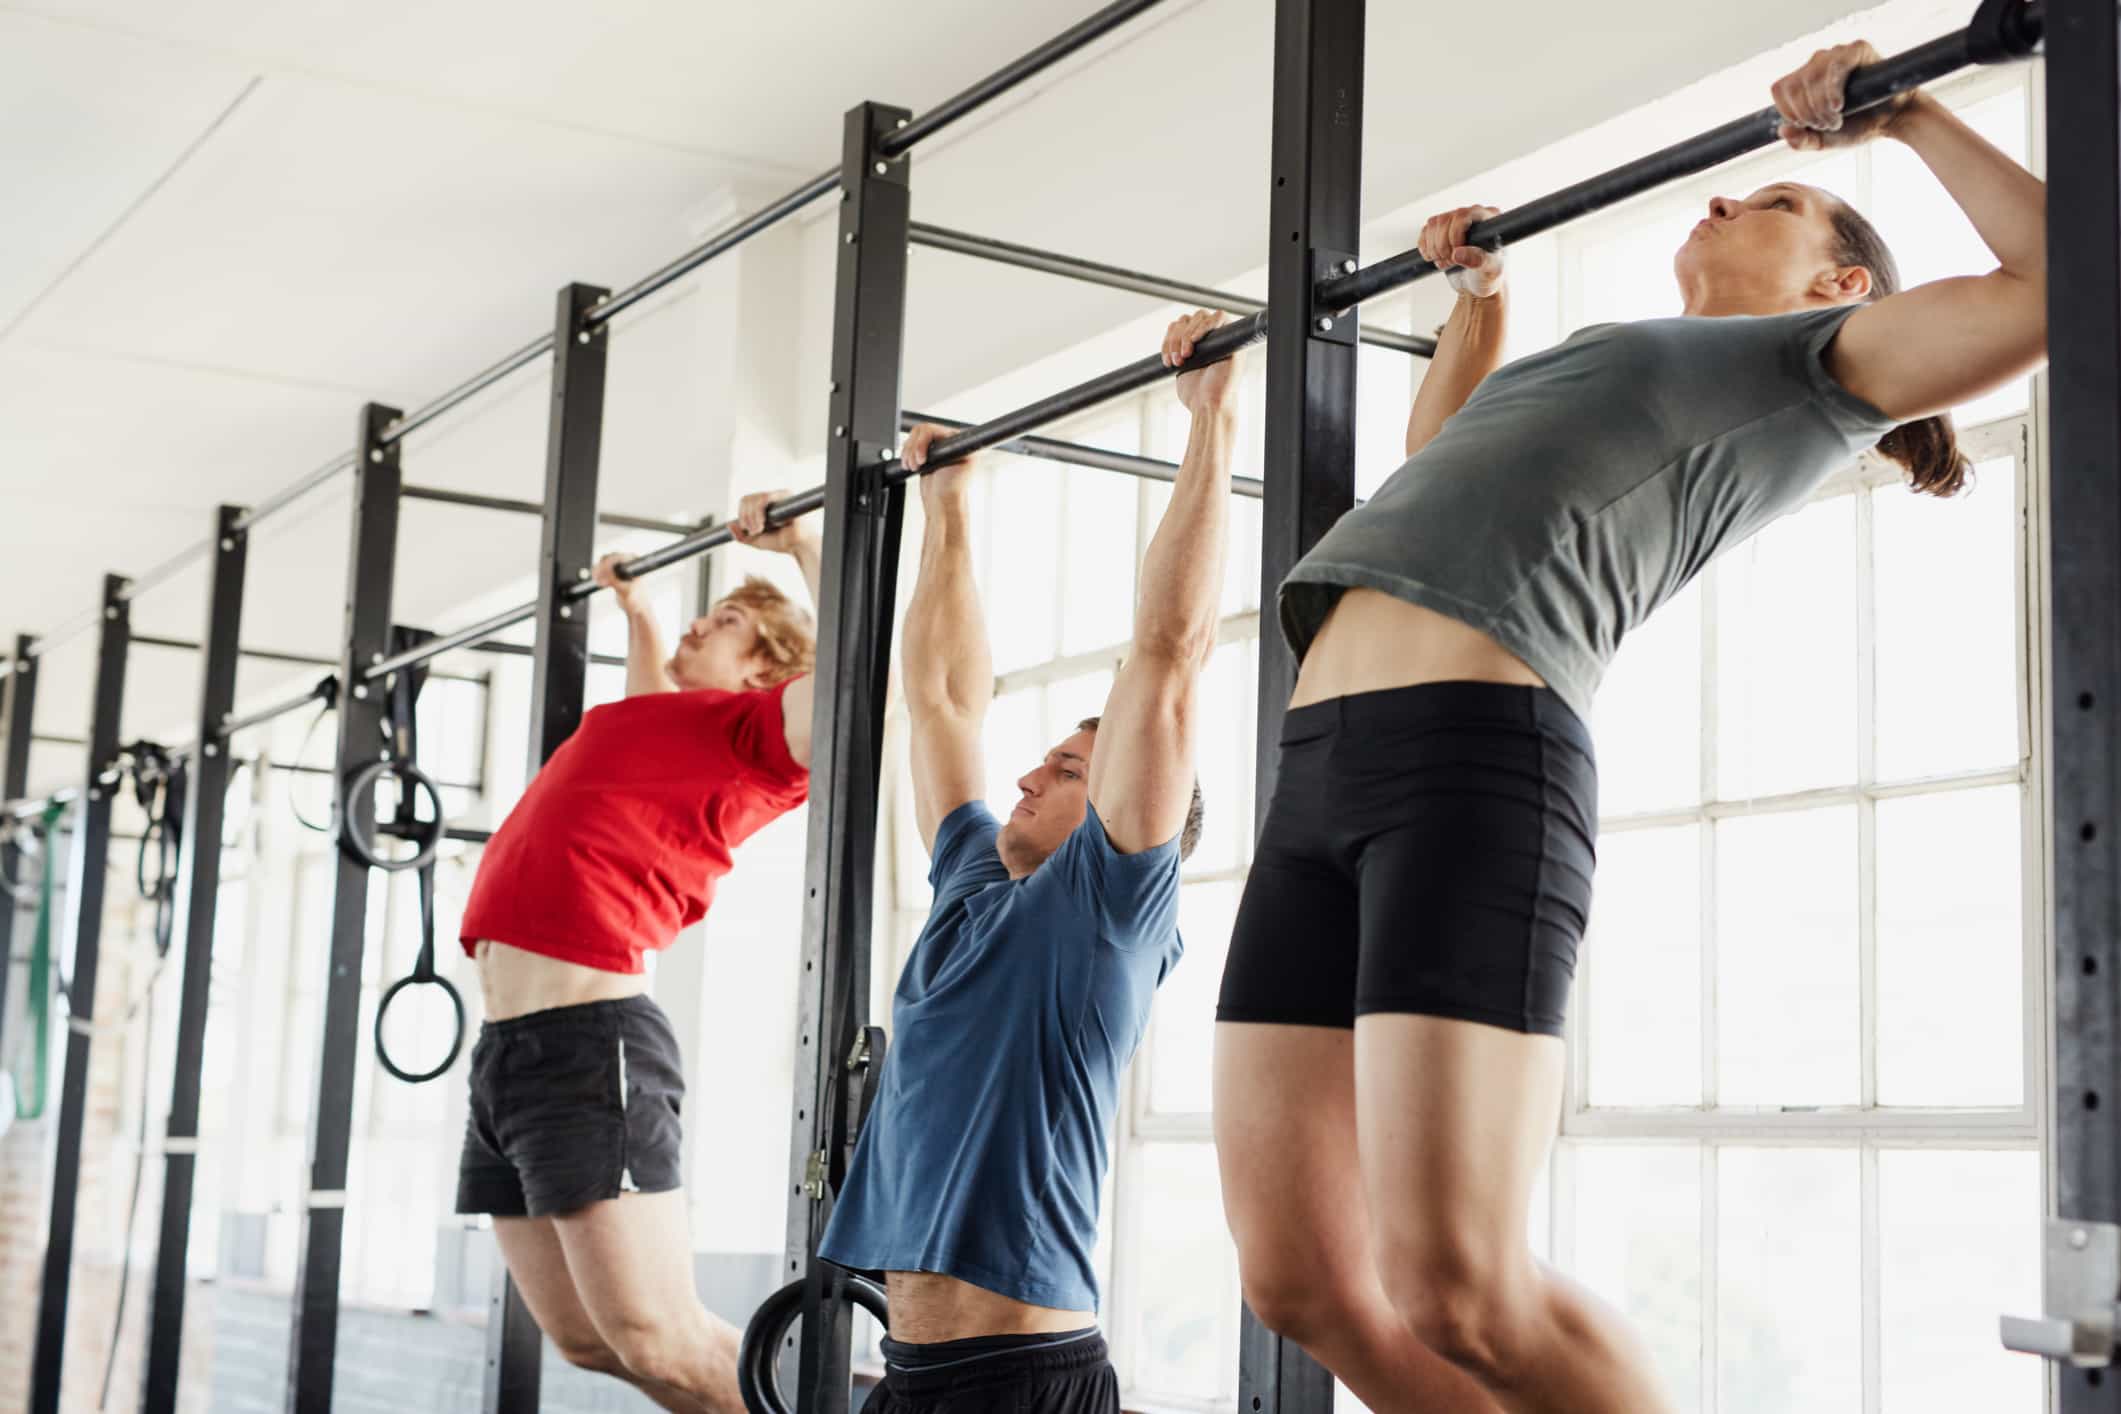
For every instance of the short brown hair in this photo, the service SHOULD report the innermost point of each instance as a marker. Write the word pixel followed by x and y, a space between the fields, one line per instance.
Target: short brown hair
pixel 1189 833
pixel 787 635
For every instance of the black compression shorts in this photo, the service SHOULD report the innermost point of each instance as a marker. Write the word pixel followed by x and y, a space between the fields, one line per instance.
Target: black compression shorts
pixel 1427 850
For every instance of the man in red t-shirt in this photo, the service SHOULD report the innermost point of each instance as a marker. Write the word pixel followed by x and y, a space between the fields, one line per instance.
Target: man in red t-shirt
pixel 573 1143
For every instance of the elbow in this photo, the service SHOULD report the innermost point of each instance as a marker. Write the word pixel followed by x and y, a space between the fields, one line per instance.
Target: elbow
pixel 1184 645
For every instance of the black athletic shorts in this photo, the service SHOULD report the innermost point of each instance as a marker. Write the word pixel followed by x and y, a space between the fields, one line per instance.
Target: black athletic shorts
pixel 1069 1373
pixel 1428 850
pixel 572 1106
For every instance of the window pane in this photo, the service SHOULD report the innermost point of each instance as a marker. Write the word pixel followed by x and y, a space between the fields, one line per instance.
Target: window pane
pixel 1958 1242
pixel 1222 756
pixel 1951 934
pixel 1097 605
pixel 1789 1326
pixel 1648 714
pixel 1628 275
pixel 1642 969
pixel 1015 742
pixel 1023 561
pixel 1786 960
pixel 1184 1276
pixel 1786 655
pixel 1947 657
pixel 1183 1043
pixel 1638 1244
pixel 1068 703
pixel 1384 392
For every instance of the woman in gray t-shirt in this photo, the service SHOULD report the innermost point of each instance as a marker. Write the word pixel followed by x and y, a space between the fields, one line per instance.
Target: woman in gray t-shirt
pixel 1388 1058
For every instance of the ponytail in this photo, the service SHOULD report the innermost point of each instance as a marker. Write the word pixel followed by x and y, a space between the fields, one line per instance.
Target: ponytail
pixel 1928 450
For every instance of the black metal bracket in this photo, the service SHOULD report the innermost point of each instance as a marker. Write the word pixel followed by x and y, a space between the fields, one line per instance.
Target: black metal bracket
pixel 1333 326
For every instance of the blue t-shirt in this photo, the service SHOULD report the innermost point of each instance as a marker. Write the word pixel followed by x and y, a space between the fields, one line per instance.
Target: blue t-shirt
pixel 1012 1025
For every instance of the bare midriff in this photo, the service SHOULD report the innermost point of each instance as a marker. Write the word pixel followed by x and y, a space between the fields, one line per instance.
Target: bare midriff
pixel 516 982
pixel 1373 642
pixel 927 1307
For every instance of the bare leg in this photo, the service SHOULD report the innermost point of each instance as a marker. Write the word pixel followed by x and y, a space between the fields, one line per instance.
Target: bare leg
pixel 1455 1120
pixel 1292 1189
pixel 531 1247
pixel 631 1260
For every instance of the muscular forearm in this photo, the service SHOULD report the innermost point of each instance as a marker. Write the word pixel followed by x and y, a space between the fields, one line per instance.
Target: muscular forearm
pixel 809 558
pixel 1468 351
pixel 947 661
pixel 1182 573
pixel 2006 203
pixel 644 653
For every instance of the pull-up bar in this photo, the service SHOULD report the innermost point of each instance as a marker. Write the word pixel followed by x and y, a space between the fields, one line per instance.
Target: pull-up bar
pixel 916 130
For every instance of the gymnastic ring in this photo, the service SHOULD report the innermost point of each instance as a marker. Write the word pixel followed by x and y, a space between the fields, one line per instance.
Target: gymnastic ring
pixel 456 1042
pixel 430 833
pixel 758 1363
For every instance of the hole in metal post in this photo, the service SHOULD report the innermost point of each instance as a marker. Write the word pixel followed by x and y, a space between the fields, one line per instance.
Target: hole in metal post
pixel 2084 702
pixel 2091 1099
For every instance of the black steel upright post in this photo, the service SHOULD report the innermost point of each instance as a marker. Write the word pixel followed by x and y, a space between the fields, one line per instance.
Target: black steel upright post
pixel 863 518
pixel 86 877
pixel 1315 208
pixel 371 563
pixel 559 678
pixel 21 697
pixel 2084 454
pixel 205 805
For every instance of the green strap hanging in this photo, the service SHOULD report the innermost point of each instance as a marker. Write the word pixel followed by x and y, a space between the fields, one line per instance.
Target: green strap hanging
pixel 29 1104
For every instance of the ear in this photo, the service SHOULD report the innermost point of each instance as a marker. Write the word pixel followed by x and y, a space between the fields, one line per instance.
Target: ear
pixel 1847 284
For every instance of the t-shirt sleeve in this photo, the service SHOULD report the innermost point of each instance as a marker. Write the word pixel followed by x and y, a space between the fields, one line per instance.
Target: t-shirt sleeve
pixel 1806 337
pixel 758 737
pixel 964 858
pixel 1132 897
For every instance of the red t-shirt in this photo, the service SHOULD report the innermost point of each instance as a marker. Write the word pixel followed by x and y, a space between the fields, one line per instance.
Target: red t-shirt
pixel 618 841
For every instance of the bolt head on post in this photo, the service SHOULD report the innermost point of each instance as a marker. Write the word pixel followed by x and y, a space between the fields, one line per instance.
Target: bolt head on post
pixel 582 573
pixel 582 338
pixel 881 168
pixel 1347 267
pixel 210 749
pixel 228 544
pixel 111 613
pixel 566 612
pixel 360 689
pixel 375 454
pixel 1325 323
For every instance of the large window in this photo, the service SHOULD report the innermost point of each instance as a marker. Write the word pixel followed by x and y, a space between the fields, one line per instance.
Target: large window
pixel 1801 1144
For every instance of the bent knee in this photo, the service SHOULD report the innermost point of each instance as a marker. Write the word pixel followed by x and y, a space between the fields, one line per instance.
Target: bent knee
pixel 587 1351
pixel 1475 1310
pixel 1301 1304
pixel 651 1351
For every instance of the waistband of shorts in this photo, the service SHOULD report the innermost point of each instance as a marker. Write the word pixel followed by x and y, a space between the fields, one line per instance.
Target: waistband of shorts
pixel 581 1015
pixel 943 1367
pixel 1440 704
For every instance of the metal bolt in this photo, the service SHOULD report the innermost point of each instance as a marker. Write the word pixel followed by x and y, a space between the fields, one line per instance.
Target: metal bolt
pixel 1347 267
pixel 228 544
pixel 360 689
pixel 850 238
pixel 375 454
pixel 566 612
pixel 111 612
pixel 839 430
pixel 375 658
pixel 383 755
pixel 2079 1238
pixel 902 122
pixel 94 794
pixel 1325 323
pixel 835 385
pixel 582 573
pixel 603 300
pixel 885 455
pixel 582 338
pixel 211 749
pixel 881 168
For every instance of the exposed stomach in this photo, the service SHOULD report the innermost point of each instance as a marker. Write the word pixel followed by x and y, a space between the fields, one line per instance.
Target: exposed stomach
pixel 1373 642
pixel 516 982
pixel 927 1307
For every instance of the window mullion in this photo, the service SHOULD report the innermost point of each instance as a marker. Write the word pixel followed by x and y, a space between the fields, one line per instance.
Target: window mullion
pixel 1866 807
pixel 1872 1299
pixel 1710 1298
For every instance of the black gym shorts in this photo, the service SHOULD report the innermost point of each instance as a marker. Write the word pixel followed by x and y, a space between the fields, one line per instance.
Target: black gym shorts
pixel 1069 1373
pixel 572 1106
pixel 1428 850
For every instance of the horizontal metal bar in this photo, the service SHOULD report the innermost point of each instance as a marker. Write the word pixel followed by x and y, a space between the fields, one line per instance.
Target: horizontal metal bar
pixel 1075 454
pixel 168 569
pixel 727 238
pixel 279 709
pixel 273 655
pixel 1067 42
pixel 467 637
pixel 35 805
pixel 287 495
pixel 47 739
pixel 524 650
pixel 1114 277
pixel 504 503
pixel 470 388
pixel 1867 88
pixel 301 768
pixel 66 630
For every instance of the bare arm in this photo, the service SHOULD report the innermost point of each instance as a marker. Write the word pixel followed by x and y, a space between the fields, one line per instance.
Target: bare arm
pixel 1923 350
pixel 1141 772
pixel 645 651
pixel 944 659
pixel 797 539
pixel 1471 345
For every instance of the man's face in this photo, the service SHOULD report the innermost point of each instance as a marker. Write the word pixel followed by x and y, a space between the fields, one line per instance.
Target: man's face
pixel 1056 796
pixel 719 649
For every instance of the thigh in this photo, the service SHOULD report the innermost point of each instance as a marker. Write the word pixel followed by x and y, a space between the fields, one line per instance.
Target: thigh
pixel 1293 948
pixel 631 1257
pixel 1285 1141
pixel 1455 1121
pixel 531 1247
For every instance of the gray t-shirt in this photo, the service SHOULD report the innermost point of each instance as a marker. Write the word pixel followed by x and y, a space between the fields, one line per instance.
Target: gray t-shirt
pixel 1581 487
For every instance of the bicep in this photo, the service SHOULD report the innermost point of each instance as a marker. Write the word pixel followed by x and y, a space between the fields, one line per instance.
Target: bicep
pixel 949 768
pixel 797 704
pixel 1928 349
pixel 1141 771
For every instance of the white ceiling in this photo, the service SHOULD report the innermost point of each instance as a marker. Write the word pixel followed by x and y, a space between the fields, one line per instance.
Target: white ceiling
pixel 236 220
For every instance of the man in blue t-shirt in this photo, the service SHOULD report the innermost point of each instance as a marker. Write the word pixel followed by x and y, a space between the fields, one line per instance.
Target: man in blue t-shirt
pixel 975 1186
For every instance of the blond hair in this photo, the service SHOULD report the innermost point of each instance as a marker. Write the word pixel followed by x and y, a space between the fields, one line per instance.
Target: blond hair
pixel 787 635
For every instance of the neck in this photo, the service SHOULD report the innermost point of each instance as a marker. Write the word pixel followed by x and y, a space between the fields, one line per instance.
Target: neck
pixel 1704 302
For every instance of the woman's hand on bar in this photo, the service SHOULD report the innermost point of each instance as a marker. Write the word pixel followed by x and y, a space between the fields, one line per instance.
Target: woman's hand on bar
pixel 1810 100
pixel 1472 271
